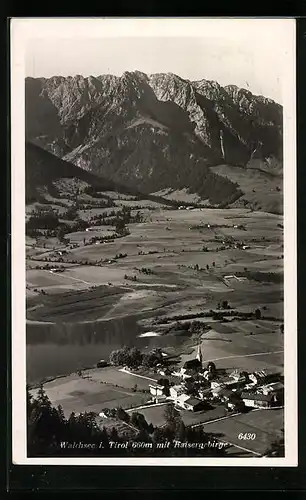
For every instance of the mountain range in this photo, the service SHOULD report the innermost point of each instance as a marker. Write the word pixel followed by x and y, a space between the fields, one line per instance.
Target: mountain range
pixel 161 132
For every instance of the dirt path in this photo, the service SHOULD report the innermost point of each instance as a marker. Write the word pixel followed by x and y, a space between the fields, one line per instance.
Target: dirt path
pixel 70 277
pixel 137 375
pixel 245 355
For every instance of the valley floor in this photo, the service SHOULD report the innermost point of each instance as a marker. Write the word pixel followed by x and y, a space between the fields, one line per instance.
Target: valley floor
pixel 197 259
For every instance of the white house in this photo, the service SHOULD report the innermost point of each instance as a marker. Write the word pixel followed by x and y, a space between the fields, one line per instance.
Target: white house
pixel 156 390
pixel 187 402
pixel 176 391
pixel 180 400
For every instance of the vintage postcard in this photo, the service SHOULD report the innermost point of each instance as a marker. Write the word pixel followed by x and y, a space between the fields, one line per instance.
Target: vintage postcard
pixel 154 241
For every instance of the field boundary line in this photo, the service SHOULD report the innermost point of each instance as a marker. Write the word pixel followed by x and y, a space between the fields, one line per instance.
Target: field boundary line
pixel 215 420
pixel 222 418
pixel 245 355
pixel 241 448
pixel 147 406
pixel 136 375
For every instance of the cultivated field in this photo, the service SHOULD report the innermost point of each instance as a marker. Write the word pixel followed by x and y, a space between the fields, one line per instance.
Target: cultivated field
pixel 78 394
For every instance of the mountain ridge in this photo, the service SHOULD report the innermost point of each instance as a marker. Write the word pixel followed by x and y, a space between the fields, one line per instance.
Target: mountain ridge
pixel 155 130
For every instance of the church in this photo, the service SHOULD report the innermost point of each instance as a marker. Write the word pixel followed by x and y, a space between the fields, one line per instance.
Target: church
pixel 195 363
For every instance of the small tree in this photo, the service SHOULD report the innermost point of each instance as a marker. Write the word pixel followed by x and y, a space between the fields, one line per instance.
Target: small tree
pixel 257 313
pixel 104 437
pixel 114 434
pixel 277 448
pixel 211 367
pixel 42 398
pixel 122 415
pixel 120 226
pixel 61 414
pixel 139 421
pixel 134 357
pixel 181 431
pixel 172 417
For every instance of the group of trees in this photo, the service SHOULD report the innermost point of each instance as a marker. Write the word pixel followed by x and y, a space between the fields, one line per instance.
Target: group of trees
pixel 71 213
pixel 190 327
pixel 120 256
pixel 98 193
pixel 218 315
pixel 146 270
pixel 223 305
pixel 133 357
pixel 47 220
pixel 131 278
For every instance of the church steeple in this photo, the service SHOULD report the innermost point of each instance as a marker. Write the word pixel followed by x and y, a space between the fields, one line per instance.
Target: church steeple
pixel 199 354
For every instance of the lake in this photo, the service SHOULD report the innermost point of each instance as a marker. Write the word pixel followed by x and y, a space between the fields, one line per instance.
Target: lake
pixel 63 348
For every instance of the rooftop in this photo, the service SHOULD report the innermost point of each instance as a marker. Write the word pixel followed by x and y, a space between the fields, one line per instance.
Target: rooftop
pixel 193 401
pixel 256 396
pixel 261 374
pixel 156 386
pixel 178 388
pixel 273 385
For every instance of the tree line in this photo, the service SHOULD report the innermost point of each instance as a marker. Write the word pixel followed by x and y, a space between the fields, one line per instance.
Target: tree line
pixel 134 358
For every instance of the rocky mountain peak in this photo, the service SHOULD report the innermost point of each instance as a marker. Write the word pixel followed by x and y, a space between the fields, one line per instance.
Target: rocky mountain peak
pixel 155 130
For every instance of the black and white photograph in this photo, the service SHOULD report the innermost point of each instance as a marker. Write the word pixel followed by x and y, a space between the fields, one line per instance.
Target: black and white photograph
pixel 153 241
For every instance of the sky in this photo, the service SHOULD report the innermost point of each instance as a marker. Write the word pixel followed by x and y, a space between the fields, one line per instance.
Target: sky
pixel 249 53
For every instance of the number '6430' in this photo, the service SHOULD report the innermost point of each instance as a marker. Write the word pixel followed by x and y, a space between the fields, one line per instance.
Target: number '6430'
pixel 247 436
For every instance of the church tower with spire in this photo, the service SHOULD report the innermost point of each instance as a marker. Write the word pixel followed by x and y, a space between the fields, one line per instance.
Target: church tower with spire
pixel 199 354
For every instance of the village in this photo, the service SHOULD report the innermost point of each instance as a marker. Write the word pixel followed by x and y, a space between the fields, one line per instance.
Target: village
pixel 202 392
pixel 198 386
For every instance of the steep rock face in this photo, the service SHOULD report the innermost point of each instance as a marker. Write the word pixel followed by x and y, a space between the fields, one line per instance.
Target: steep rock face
pixel 169 87
pixel 155 131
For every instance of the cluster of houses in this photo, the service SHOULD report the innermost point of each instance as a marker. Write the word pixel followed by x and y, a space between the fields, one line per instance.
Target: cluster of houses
pixel 198 386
